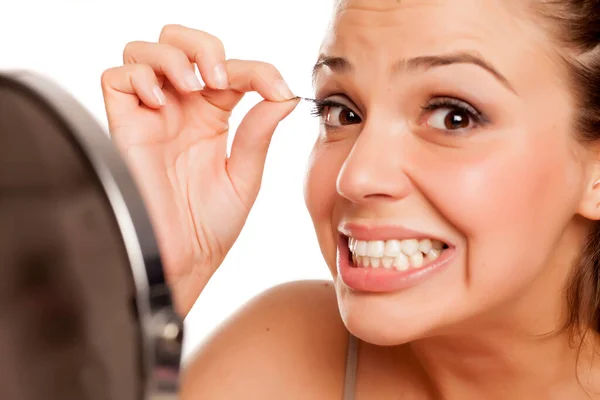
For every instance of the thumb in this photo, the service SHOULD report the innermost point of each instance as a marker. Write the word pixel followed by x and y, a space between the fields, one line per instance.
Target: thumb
pixel 251 144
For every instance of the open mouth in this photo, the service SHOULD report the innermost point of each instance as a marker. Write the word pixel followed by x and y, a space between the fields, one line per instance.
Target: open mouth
pixel 400 255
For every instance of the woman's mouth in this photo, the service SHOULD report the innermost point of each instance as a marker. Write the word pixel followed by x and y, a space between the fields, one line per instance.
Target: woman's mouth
pixel 370 260
pixel 400 255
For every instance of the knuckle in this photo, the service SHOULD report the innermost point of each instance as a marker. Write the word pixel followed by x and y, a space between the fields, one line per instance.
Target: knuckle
pixel 142 73
pixel 174 55
pixel 129 51
pixel 142 70
pixel 265 68
pixel 167 31
pixel 133 68
pixel 107 76
pixel 212 42
pixel 207 43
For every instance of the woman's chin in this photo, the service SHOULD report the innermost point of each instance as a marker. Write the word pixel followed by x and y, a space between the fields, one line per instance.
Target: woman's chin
pixel 383 334
pixel 394 319
pixel 383 329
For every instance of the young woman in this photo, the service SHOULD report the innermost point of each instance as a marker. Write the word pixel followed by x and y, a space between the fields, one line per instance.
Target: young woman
pixel 454 189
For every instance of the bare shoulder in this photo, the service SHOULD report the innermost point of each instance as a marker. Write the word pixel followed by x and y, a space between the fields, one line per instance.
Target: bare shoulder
pixel 288 342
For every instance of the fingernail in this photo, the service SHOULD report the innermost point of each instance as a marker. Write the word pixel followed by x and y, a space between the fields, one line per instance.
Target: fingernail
pixel 159 95
pixel 192 82
pixel 220 76
pixel 283 92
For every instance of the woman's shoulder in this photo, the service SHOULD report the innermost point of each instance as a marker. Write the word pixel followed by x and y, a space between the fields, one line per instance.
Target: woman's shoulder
pixel 288 342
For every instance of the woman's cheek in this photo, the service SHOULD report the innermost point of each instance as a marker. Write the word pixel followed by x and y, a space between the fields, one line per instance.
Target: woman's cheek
pixel 510 201
pixel 324 165
pixel 320 192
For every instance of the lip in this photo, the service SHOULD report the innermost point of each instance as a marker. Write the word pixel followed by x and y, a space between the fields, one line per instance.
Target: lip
pixel 382 280
pixel 385 232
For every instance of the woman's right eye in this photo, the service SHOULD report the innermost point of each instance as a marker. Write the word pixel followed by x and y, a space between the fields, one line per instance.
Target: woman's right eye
pixel 335 114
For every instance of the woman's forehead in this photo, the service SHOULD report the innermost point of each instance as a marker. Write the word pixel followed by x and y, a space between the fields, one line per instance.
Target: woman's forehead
pixel 375 35
pixel 444 13
pixel 463 5
pixel 410 27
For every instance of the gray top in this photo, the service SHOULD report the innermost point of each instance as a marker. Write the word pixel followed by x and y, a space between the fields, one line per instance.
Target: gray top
pixel 351 364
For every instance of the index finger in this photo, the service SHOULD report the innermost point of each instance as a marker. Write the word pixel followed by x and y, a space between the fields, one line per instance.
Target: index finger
pixel 202 48
pixel 249 76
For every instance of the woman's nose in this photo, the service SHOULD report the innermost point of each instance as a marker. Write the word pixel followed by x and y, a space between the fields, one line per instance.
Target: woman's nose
pixel 375 169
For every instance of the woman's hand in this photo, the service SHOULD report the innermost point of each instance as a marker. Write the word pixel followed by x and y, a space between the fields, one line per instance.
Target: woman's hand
pixel 173 134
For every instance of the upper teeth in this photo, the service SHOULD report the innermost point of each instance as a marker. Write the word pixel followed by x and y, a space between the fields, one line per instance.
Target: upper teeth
pixel 394 253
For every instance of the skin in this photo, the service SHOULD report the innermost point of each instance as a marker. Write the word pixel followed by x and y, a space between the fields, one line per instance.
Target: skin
pixel 484 189
pixel 515 194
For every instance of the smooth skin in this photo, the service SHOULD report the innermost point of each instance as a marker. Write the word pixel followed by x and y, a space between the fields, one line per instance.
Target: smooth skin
pixel 515 192
pixel 199 200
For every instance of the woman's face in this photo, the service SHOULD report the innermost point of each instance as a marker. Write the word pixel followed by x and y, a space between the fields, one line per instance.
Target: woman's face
pixel 444 121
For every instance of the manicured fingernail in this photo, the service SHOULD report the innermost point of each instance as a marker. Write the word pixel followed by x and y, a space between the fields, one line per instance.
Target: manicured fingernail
pixel 220 76
pixel 159 95
pixel 282 91
pixel 192 82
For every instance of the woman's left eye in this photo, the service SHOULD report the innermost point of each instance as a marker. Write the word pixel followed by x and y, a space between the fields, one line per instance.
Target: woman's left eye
pixel 449 119
pixel 334 114
pixel 452 115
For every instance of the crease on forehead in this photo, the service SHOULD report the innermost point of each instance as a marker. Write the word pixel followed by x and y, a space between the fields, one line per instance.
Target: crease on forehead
pixel 515 7
pixel 353 30
pixel 373 5
pixel 383 13
pixel 508 15
pixel 522 10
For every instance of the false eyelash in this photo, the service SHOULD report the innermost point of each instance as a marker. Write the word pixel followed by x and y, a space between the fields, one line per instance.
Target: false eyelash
pixel 319 106
pixel 455 104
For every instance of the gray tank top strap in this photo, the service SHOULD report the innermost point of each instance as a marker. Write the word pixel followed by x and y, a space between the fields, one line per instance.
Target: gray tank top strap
pixel 351 364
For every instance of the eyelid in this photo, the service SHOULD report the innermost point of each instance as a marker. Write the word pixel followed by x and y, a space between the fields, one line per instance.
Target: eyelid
pixel 334 100
pixel 449 102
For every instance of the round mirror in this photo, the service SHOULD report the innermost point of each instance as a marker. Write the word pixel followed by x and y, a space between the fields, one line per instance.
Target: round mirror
pixel 85 313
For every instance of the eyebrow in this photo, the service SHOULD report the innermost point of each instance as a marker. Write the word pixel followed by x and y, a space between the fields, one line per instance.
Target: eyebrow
pixel 342 65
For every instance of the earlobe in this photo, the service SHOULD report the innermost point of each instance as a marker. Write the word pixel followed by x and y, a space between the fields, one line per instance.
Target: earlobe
pixel 590 203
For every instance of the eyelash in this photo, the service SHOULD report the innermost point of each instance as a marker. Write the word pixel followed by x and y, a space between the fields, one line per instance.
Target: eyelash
pixel 456 105
pixel 319 107
pixel 435 104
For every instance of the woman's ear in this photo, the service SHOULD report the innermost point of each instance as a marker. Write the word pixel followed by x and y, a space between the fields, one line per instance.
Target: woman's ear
pixel 589 206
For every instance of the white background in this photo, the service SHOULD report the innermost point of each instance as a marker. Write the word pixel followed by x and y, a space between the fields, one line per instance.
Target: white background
pixel 73 41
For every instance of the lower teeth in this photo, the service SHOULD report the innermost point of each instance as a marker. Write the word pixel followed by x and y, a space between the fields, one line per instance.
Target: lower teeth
pixel 400 263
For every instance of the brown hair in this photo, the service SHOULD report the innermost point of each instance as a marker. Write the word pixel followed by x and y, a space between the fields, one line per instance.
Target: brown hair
pixel 576 24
